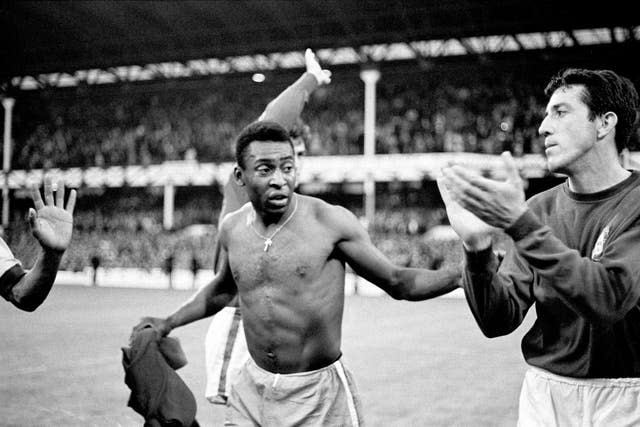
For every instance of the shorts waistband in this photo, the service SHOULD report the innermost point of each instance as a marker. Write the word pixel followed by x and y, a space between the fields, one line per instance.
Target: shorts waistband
pixel 588 382
pixel 254 365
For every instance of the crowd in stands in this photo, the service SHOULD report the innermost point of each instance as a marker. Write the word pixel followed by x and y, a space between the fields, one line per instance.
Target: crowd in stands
pixel 130 125
pixel 125 230
pixel 133 125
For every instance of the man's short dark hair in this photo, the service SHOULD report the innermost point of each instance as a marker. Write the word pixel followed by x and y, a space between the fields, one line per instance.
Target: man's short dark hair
pixel 604 91
pixel 259 131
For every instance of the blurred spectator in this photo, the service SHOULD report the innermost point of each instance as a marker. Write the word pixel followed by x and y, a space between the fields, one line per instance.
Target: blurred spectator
pixel 168 268
pixel 195 267
pixel 95 264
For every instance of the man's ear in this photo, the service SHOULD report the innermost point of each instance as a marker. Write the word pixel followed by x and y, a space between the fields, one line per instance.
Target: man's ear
pixel 238 175
pixel 608 122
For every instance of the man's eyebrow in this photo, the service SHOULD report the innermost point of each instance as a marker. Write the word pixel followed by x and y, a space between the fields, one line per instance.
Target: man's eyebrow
pixel 270 160
pixel 260 159
pixel 556 106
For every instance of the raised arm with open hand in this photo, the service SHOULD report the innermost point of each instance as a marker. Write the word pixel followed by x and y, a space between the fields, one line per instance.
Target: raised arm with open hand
pixel 313 67
pixel 51 222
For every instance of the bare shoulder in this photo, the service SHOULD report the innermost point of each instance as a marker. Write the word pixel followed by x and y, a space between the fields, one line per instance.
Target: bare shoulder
pixel 233 219
pixel 321 209
pixel 333 217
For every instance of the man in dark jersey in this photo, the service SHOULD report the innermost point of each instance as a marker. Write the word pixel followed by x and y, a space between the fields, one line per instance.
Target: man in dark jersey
pixel 575 255
pixel 284 255
pixel 51 225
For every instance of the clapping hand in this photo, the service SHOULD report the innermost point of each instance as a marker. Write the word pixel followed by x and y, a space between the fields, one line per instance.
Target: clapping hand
pixel 498 202
pixel 475 233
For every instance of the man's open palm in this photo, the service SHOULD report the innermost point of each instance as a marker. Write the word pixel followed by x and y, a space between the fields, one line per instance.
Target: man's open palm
pixel 51 222
pixel 313 67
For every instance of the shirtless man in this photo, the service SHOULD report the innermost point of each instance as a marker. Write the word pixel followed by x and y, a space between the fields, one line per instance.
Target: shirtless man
pixel 287 253
pixel 225 345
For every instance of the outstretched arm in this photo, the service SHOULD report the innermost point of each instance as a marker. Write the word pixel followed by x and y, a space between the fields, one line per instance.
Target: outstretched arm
pixel 206 302
pixel 414 284
pixel 52 224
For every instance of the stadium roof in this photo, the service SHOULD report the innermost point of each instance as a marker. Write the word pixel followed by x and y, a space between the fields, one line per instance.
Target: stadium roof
pixel 66 36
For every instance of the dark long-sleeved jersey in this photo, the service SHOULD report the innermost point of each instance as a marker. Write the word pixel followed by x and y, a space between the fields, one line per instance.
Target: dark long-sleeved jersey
pixel 577 257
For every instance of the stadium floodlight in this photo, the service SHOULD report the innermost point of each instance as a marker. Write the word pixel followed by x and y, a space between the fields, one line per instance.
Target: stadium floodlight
pixel 258 77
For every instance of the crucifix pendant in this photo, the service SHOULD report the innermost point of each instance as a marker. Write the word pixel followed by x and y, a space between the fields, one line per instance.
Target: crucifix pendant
pixel 267 244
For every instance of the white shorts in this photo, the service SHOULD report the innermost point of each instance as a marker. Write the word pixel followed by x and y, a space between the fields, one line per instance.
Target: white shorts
pixel 325 397
pixel 225 353
pixel 549 400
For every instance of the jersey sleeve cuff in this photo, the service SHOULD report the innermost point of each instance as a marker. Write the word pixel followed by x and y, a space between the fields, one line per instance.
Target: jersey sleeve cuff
pixel 526 224
pixel 9 279
pixel 481 260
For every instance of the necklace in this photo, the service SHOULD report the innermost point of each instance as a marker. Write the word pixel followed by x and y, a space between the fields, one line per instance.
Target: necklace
pixel 268 241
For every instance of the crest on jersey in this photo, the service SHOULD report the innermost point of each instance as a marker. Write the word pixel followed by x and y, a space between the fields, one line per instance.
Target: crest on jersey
pixel 598 248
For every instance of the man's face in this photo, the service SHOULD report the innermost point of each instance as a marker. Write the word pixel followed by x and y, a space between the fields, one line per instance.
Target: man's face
pixel 299 147
pixel 300 151
pixel 568 132
pixel 269 175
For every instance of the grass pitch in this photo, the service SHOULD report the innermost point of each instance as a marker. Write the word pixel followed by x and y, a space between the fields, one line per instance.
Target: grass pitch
pixel 416 364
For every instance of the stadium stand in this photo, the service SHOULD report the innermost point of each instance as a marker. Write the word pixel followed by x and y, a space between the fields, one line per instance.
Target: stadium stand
pixel 125 226
pixel 136 103
pixel 472 101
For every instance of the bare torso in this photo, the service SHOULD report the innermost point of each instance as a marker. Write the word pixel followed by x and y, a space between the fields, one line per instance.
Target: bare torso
pixel 291 296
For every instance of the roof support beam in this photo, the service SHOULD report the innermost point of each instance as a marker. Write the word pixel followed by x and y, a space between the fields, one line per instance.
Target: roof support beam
pixel 415 50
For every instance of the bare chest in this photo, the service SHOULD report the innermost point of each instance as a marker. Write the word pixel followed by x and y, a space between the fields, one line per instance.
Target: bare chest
pixel 292 256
